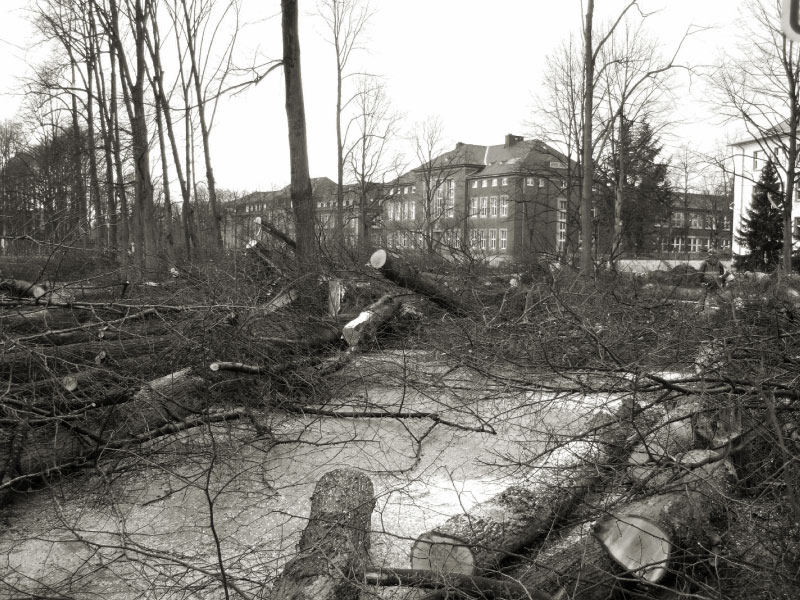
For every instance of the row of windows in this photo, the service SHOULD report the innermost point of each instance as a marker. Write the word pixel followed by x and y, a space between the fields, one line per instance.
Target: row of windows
pixel 406 189
pixel 694 244
pixel 485 182
pixel 401 210
pixel 488 206
pixel 489 239
pixel 700 221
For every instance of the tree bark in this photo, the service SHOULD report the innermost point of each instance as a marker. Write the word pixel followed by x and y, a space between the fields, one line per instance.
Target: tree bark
pixel 639 543
pixel 588 161
pixel 477 541
pixel 63 438
pixel 391 266
pixel 335 543
pixel 370 320
pixel 300 186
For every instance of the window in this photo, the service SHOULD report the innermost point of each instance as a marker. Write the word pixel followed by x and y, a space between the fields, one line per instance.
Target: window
pixel 411 211
pixel 696 244
pixel 726 223
pixel 504 181
pixel 473 207
pixel 493 206
pixel 484 183
pixel 529 181
pixel 725 244
pixel 391 191
pixel 541 182
pixel 755 160
pixel 557 164
pixel 402 207
pixel 405 190
pixel 503 239
pixel 475 184
pixel 493 239
pixel 413 189
pixel 677 219
pixel 561 220
pixel 677 243
pixel 710 222
pixel 482 244
pixel 484 206
pixel 563 184
pixel 504 205
pixel 695 221
pixel 494 182
pixel 451 200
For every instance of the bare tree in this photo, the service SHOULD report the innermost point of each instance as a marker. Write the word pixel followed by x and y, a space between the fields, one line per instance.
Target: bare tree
pixel 760 86
pixel 345 21
pixel 300 186
pixel 369 161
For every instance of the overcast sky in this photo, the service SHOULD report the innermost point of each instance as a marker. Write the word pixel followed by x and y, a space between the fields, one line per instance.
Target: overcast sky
pixel 475 64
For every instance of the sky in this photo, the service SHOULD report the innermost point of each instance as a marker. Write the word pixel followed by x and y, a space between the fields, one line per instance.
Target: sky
pixel 476 65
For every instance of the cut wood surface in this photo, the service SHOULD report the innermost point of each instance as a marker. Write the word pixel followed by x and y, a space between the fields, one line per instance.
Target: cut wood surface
pixel 370 320
pixel 334 545
pixel 640 541
pixel 479 539
pixel 396 271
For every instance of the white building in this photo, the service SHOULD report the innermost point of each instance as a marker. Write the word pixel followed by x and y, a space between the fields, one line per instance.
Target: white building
pixel 750 156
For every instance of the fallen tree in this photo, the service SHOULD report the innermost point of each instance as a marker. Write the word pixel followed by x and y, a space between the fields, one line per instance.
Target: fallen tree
pixel 638 542
pixel 478 540
pixel 35 440
pixel 334 545
pixel 395 270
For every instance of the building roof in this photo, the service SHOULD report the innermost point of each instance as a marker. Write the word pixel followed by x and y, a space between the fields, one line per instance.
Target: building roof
pixel 777 130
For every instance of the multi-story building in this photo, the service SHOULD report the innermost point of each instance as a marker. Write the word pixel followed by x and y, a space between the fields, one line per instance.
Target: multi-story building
pixel 697 223
pixel 501 202
pixel 750 156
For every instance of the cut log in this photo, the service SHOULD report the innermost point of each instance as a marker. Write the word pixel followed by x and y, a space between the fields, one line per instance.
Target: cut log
pixel 674 434
pixel 479 540
pixel 370 320
pixel 334 545
pixel 25 364
pixel 262 224
pixel 640 542
pixel 336 293
pixel 87 433
pixel 20 288
pixel 393 268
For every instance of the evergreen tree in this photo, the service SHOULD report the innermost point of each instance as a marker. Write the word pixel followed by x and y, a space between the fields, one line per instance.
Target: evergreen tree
pixel 762 229
pixel 647 193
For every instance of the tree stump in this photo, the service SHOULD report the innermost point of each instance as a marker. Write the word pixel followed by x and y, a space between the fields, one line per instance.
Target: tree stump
pixel 638 543
pixel 334 545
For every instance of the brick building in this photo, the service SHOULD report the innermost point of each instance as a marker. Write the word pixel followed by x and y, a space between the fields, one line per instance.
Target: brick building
pixel 501 202
pixel 697 222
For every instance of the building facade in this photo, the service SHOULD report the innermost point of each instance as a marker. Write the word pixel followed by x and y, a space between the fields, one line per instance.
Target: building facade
pixel 749 157
pixel 697 223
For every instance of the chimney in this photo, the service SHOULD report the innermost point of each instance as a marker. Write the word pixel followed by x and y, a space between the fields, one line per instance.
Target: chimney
pixel 512 139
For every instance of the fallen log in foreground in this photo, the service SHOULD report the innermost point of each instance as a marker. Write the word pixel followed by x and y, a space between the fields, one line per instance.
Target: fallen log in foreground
pixel 41 440
pixel 335 543
pixel 478 540
pixel 370 319
pixel 640 542
pixel 392 267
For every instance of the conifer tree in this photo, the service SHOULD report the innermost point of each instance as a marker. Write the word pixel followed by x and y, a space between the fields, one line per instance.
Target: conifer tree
pixel 762 229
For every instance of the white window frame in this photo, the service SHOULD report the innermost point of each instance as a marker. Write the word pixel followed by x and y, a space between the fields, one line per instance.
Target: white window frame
pixel 484 206
pixel 493 206
pixel 493 239
pixel 504 205
pixel 474 207
pixel 530 181
pixel 494 181
pixel 484 183
pixel 474 184
pixel 502 239
pixel 541 182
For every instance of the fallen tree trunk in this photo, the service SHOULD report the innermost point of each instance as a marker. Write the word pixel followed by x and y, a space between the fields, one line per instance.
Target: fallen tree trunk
pixel 75 389
pixel 392 267
pixel 478 540
pixel 19 288
pixel 370 320
pixel 36 319
pixel 25 364
pixel 264 225
pixel 638 543
pixel 335 543
pixel 84 434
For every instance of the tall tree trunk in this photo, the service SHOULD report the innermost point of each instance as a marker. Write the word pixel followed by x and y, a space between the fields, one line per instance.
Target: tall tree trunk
pixel 170 247
pixel 78 187
pixel 94 180
pixel 122 193
pixel 216 216
pixel 588 162
pixel 339 235
pixel 301 191
pixel 788 201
